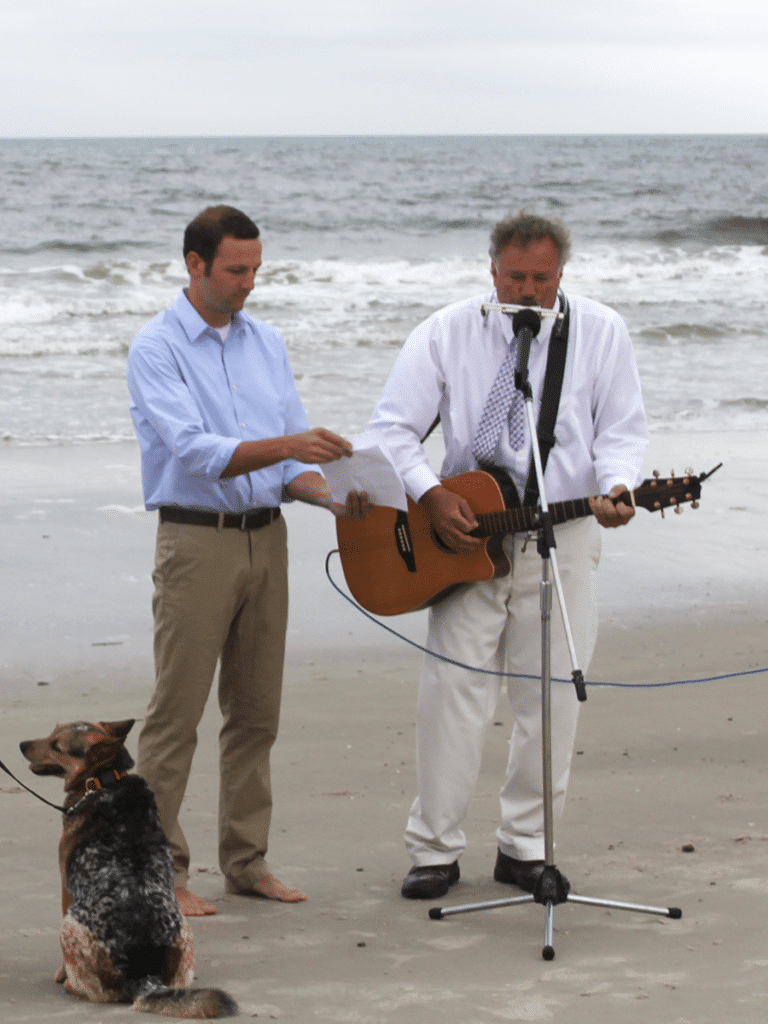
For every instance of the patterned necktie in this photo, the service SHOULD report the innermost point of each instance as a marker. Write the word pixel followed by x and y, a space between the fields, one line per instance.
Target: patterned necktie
pixel 504 402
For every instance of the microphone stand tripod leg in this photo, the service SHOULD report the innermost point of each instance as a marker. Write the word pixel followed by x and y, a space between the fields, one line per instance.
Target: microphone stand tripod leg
pixel 548 952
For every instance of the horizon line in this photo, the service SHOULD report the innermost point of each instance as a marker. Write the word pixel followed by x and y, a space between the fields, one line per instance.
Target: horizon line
pixel 390 135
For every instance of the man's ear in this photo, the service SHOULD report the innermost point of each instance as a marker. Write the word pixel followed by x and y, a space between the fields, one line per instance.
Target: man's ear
pixel 195 265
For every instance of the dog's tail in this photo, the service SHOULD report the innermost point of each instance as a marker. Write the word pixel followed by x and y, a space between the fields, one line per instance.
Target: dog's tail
pixel 150 995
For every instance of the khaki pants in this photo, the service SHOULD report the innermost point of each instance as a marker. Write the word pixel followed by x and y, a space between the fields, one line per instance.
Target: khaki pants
pixel 218 594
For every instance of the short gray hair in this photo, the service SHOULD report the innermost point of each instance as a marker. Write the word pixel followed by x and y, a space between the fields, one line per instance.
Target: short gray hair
pixel 522 228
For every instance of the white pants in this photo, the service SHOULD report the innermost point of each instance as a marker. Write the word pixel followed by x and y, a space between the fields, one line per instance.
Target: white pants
pixel 497 625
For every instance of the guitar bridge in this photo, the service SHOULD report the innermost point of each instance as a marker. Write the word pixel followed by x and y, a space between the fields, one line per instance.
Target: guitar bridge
pixel 403 540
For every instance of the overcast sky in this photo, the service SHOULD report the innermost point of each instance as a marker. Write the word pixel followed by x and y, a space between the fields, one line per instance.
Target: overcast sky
pixel 373 67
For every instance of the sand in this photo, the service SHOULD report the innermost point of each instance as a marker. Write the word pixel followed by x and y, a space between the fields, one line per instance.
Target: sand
pixel 656 770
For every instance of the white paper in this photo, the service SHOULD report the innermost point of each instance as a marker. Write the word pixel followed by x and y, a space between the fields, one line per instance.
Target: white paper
pixel 369 469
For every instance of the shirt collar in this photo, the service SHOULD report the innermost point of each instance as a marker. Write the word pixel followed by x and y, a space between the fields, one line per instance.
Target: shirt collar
pixel 506 324
pixel 194 325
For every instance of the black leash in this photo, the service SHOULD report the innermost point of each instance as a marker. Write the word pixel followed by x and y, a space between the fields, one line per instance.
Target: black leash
pixel 105 780
pixel 54 806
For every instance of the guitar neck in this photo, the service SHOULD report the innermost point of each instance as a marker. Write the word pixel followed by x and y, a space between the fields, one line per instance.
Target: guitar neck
pixel 520 520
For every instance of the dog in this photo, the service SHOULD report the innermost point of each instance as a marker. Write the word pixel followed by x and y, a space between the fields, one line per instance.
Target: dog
pixel 123 937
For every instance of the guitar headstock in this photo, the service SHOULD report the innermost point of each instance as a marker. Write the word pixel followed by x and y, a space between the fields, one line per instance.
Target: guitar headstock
pixel 673 491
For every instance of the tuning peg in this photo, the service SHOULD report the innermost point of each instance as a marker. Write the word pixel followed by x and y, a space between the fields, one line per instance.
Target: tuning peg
pixel 671 472
pixel 689 471
pixel 695 504
pixel 678 510
pixel 656 473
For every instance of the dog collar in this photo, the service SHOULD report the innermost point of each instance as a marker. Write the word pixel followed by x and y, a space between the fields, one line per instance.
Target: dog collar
pixel 106 780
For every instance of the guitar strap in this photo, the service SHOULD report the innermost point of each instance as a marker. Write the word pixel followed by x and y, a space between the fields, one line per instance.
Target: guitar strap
pixel 435 421
pixel 550 397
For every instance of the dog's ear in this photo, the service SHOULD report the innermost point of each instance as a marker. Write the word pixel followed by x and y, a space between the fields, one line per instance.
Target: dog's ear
pixel 106 753
pixel 118 729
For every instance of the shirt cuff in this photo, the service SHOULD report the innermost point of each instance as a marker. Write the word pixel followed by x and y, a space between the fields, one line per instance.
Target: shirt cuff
pixel 608 485
pixel 291 470
pixel 222 457
pixel 420 480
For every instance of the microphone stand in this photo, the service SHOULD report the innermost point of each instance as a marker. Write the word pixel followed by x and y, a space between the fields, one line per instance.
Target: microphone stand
pixel 552 887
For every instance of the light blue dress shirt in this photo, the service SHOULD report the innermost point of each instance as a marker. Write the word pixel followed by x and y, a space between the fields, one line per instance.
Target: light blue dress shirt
pixel 195 398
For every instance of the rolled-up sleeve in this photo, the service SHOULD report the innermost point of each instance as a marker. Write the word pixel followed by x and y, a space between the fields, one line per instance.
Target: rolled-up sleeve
pixel 195 397
pixel 163 401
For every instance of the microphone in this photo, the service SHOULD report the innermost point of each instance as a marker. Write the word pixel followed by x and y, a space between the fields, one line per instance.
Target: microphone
pixel 509 308
pixel 526 324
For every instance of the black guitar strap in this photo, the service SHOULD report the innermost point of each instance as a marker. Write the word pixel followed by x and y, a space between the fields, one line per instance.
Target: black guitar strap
pixel 435 421
pixel 550 397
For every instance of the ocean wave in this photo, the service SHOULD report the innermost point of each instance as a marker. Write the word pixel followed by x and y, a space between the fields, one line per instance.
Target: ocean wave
pixel 35 367
pixel 733 230
pixel 38 312
pixel 59 245
pixel 62 440
pixel 50 294
pixel 662 332
pixel 749 404
pixel 721 288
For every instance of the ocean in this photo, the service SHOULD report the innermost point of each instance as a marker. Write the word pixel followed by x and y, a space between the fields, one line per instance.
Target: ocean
pixel 365 237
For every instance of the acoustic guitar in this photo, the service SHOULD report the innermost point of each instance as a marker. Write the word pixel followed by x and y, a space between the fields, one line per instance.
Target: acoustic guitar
pixel 393 561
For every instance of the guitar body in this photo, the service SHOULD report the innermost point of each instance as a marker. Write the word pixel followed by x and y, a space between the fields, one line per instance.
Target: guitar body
pixel 393 563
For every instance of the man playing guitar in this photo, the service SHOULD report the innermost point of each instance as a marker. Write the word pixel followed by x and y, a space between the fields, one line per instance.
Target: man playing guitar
pixel 451 365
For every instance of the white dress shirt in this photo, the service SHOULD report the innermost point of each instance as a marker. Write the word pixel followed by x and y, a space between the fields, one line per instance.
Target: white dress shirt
pixel 448 365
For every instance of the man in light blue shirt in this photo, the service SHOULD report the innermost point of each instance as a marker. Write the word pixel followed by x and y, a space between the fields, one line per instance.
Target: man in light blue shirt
pixel 224 439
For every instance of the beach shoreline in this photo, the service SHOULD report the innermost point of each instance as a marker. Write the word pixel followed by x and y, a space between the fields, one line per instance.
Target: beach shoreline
pixel 656 769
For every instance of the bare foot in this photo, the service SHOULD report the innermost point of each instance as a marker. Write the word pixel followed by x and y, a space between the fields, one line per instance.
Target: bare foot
pixel 191 905
pixel 272 889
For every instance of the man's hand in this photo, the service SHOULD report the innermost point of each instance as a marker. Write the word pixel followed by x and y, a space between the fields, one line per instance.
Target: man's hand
pixel 357 506
pixel 608 514
pixel 313 446
pixel 311 488
pixel 317 445
pixel 452 519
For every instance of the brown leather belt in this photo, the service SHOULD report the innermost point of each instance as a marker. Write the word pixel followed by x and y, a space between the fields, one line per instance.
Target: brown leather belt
pixel 193 517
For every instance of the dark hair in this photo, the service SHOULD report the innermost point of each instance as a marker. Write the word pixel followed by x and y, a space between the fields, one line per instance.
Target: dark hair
pixel 204 234
pixel 520 229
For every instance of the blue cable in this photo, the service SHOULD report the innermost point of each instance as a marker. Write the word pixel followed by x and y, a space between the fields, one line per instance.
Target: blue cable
pixel 520 675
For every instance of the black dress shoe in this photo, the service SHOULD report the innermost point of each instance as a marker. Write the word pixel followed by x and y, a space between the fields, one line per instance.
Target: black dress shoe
pixel 522 873
pixel 430 882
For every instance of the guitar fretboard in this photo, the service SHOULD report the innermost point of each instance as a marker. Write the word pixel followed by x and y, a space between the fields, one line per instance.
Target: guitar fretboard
pixel 518 520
